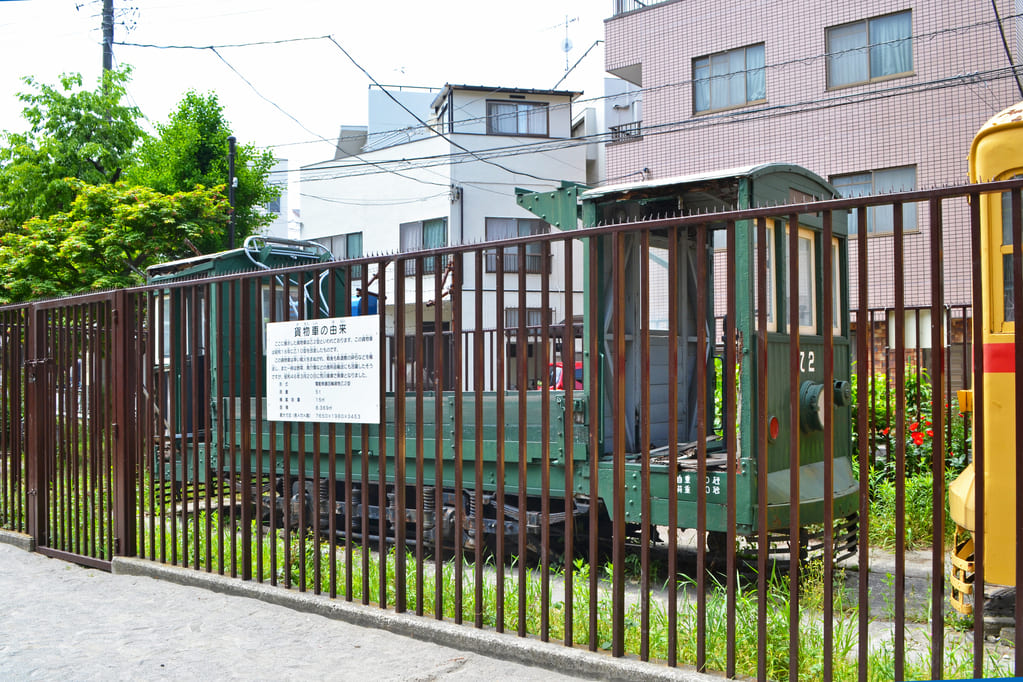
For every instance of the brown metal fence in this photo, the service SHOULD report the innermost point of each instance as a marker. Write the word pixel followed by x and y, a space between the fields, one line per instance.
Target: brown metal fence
pixel 136 423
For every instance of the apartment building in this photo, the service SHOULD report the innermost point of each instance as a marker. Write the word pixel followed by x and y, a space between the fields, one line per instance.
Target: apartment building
pixel 875 96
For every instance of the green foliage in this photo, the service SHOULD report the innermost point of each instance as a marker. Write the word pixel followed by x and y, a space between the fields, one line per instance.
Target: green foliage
pixel 108 236
pixel 87 201
pixel 72 133
pixel 884 416
pixel 190 150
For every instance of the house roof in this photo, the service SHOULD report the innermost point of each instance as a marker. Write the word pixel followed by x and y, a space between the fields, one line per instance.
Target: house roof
pixel 738 172
pixel 449 88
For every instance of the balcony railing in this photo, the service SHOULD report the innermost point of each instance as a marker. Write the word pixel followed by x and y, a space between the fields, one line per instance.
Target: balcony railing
pixel 623 6
pixel 626 132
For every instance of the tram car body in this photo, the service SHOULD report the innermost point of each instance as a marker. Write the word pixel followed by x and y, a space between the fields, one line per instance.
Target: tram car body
pixel 291 458
pixel 995 154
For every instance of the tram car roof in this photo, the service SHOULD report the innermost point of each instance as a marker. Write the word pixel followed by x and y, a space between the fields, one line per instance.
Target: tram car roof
pixel 257 253
pixel 719 189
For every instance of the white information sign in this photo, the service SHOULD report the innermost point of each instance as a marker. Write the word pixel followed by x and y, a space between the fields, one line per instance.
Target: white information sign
pixel 324 370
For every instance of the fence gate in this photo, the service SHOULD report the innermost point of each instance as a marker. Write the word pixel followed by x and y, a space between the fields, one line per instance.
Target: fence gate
pixel 78 425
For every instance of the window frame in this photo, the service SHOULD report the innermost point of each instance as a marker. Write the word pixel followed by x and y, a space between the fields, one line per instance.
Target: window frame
pixel 910 217
pixel 491 116
pixel 867 49
pixel 430 263
pixel 1001 262
pixel 707 80
pixel 511 252
pixel 810 235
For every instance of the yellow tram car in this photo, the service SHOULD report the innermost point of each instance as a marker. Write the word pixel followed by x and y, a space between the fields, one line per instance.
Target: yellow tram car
pixel 996 154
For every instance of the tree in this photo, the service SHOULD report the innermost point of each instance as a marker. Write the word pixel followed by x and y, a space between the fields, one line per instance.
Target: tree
pixel 72 133
pixel 191 150
pixel 107 238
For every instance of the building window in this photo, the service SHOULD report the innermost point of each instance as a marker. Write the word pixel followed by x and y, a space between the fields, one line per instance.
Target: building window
pixel 729 79
pixel 1006 248
pixel 517 118
pixel 423 234
pixel 880 219
pixel 869 50
pixel 535 317
pixel 509 228
pixel 344 247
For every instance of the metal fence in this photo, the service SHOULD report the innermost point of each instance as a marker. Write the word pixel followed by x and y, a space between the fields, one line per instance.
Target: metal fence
pixel 137 423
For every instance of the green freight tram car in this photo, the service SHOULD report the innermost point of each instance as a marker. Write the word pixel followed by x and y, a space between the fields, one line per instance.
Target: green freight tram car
pixel 616 425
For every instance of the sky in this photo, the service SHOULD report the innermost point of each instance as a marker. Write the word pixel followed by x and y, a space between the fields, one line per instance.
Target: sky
pixel 293 96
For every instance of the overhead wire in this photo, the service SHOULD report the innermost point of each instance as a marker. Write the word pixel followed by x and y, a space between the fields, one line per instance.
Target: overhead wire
pixel 430 127
pixel 346 168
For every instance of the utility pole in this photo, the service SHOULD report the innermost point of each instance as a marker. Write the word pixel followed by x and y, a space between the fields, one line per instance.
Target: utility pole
pixel 231 181
pixel 108 35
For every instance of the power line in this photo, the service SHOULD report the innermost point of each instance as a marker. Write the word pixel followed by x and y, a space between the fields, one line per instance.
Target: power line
pixel 725 118
pixel 430 127
pixel 222 45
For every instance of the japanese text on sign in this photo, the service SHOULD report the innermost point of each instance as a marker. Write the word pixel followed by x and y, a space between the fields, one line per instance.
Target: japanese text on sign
pixel 324 370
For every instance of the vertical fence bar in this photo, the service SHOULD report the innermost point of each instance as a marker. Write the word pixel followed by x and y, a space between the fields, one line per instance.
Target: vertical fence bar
pixel 729 424
pixel 500 375
pixel 645 408
pixel 151 450
pixel 478 381
pixel 177 451
pixel 382 501
pixel 900 449
pixel 701 450
pixel 246 393
pixel 938 448
pixel 596 397
pixel 673 341
pixel 349 468
pixel 286 465
pixel 827 331
pixel 236 391
pixel 420 445
pixel 979 464
pixel 521 367
pixel 274 500
pixel 258 487
pixel 122 506
pixel 864 380
pixel 761 446
pixel 568 372
pixel 193 320
pixel 104 512
pixel 795 548
pixel 545 445
pixel 618 454
pixel 457 369
pixel 438 439
pixel 1017 292
pixel 400 442
pixel 301 460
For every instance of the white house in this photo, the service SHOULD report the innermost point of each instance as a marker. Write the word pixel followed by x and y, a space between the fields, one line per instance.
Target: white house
pixel 440 167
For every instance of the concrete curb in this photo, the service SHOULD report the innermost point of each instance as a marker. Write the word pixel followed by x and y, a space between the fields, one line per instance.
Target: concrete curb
pixel 19 540
pixel 527 651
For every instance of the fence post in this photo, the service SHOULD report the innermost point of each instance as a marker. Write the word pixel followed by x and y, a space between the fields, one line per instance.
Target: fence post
pixel 125 425
pixel 35 427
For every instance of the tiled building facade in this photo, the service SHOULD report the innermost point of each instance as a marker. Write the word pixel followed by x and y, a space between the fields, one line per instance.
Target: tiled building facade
pixel 876 95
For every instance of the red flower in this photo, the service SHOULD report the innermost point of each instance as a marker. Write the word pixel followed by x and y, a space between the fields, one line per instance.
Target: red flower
pixel 914 426
pixel 927 423
pixel 930 434
pixel 885 430
pixel 918 438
